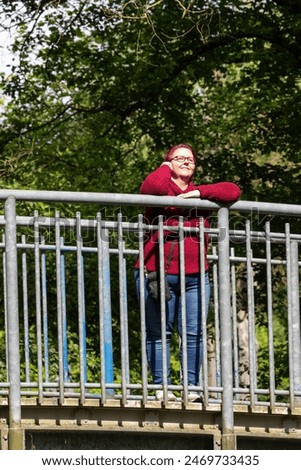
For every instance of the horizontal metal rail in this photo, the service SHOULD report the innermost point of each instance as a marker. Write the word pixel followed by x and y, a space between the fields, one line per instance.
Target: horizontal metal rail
pixel 124 199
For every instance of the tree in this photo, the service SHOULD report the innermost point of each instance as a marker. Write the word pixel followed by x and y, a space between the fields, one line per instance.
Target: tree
pixel 109 85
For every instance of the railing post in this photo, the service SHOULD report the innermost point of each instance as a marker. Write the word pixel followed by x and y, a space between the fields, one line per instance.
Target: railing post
pixel 15 434
pixel 228 439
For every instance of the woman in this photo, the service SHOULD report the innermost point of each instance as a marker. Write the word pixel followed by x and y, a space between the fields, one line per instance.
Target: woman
pixel 174 178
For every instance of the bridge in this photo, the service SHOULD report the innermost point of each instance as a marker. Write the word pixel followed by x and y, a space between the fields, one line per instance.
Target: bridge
pixel 73 368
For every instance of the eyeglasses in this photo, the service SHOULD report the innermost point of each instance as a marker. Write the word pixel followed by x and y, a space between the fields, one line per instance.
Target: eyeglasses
pixel 181 159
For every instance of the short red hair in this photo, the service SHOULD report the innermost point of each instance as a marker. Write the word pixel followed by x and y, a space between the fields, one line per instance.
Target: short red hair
pixel 168 156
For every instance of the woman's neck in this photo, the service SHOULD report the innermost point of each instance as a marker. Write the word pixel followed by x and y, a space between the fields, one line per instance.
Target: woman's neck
pixel 182 183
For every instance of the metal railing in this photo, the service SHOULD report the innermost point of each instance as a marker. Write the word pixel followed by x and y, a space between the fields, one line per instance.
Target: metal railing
pixel 71 325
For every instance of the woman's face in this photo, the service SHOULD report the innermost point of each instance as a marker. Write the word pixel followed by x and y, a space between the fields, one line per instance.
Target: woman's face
pixel 183 164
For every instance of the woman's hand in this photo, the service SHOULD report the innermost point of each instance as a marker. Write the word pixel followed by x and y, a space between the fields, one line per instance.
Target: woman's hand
pixel 194 193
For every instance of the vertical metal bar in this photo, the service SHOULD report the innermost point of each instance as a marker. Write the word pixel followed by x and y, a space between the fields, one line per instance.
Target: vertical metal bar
pixel 251 316
pixel 5 307
pixel 25 311
pixel 124 300
pixel 59 306
pixel 234 316
pixel 228 438
pixel 163 307
pixel 142 310
pixel 270 315
pixel 183 312
pixel 289 314
pixel 38 305
pixel 216 319
pixel 123 320
pixel 126 322
pixel 296 340
pixel 101 307
pixel 44 310
pixel 107 314
pixel 15 433
pixel 203 308
pixel 81 308
pixel 64 313
pixel 84 321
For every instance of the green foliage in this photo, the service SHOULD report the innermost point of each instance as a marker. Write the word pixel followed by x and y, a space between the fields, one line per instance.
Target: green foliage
pixel 109 87
pixel 3 374
pixel 280 373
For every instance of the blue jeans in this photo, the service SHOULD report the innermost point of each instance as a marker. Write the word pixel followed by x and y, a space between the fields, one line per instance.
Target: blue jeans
pixel 194 334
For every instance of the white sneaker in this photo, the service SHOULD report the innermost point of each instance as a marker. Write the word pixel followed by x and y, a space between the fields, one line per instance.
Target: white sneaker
pixel 194 397
pixel 160 396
